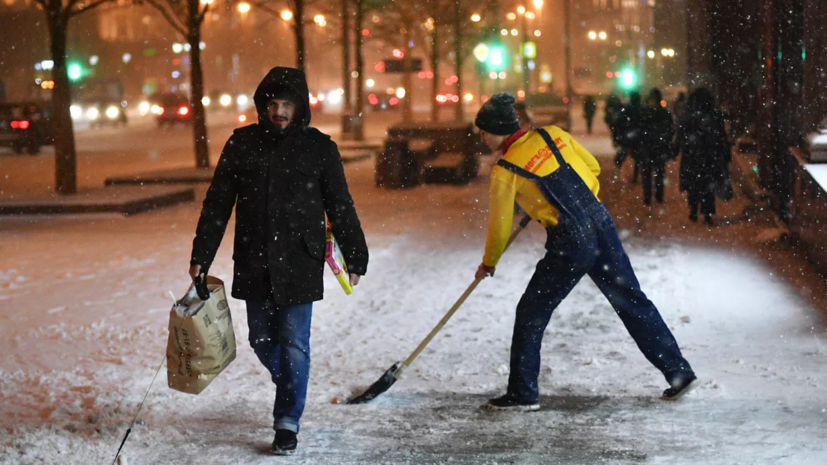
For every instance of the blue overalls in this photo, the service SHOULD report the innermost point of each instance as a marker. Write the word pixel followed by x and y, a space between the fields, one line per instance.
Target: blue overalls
pixel 585 241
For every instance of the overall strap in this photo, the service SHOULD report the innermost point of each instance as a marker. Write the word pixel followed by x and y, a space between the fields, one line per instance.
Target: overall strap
pixel 517 170
pixel 552 146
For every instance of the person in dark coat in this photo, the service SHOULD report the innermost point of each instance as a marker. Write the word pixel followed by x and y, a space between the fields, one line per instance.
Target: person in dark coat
pixel 610 114
pixel 657 146
pixel 283 177
pixel 630 132
pixel 589 109
pixel 705 155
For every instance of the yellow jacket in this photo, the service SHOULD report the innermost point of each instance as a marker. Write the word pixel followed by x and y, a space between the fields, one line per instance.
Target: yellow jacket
pixel 531 153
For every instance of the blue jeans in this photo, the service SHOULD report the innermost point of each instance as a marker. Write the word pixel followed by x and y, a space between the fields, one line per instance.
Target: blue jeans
pixel 280 337
pixel 571 254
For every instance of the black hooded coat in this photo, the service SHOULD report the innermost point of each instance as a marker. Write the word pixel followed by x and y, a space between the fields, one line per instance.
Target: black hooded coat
pixel 282 185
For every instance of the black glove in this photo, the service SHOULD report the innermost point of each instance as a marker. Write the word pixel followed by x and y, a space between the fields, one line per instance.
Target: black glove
pixel 201 289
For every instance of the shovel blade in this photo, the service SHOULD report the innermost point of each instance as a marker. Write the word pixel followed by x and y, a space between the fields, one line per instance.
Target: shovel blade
pixel 383 384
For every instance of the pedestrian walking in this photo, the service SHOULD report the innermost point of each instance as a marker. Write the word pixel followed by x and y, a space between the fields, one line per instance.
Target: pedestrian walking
pixel 610 114
pixel 705 156
pixel 282 176
pixel 657 146
pixel 630 132
pixel 589 109
pixel 554 179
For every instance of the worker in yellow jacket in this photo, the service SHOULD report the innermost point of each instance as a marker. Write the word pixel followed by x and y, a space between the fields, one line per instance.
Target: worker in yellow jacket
pixel 554 179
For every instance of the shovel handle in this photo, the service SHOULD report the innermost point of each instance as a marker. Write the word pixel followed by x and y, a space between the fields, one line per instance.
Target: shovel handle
pixel 523 223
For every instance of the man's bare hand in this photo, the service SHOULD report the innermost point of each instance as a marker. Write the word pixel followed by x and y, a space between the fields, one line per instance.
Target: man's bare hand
pixel 354 279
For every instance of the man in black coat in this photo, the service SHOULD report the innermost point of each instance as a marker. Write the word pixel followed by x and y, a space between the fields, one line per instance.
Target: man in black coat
pixel 657 146
pixel 283 177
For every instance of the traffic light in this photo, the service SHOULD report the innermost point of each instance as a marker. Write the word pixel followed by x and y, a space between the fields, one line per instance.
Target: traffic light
pixel 75 72
pixel 496 58
pixel 628 78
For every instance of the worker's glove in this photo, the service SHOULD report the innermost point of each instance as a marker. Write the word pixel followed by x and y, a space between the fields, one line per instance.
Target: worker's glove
pixel 484 271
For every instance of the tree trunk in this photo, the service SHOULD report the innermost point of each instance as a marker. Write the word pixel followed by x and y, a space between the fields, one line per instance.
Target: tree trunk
pixel 567 44
pixel 65 156
pixel 435 80
pixel 458 59
pixel 347 98
pixel 199 123
pixel 298 21
pixel 359 129
pixel 407 70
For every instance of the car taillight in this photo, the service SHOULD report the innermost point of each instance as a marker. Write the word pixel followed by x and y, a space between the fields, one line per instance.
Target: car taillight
pixel 183 111
pixel 20 124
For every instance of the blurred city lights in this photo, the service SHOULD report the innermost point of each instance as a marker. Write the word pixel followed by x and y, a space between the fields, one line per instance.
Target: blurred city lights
pixel 320 20
pixel 475 18
pixel 504 32
pixel 225 100
pixel 126 58
pixel 244 7
pixel 521 9
pixel 538 4
pixel 592 35
pixel 242 100
pixel 511 16
pixel 502 75
pixel 602 35
pixel 529 15
pixel 650 54
pixel 370 83
pixel 400 92
pixel 469 97
pixel 205 101
pixel 93 60
pixel 537 33
pixel 514 32
pixel 287 15
pixel 112 112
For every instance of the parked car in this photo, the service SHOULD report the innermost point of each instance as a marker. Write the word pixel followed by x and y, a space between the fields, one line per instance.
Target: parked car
pixel 25 126
pixel 170 108
pixel 547 108
pixel 383 102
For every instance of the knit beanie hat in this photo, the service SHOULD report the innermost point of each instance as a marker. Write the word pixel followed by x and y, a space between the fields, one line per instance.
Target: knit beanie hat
pixel 497 115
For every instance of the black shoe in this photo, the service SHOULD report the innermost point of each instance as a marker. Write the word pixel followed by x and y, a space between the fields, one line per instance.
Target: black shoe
pixel 285 442
pixel 708 220
pixel 693 217
pixel 507 402
pixel 680 387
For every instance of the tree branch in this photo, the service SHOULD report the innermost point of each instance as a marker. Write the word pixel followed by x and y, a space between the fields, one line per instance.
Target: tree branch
pixel 94 4
pixel 172 18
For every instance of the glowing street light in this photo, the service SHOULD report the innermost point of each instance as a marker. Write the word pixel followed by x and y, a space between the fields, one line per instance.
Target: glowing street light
pixel 602 35
pixel 650 54
pixel 243 8
pixel 320 20
pixel 287 15
pixel 511 16
pixel 592 35
pixel 475 18
pixel 538 4
pixel 521 10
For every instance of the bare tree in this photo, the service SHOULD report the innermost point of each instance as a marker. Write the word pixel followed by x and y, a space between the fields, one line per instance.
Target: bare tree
pixel 186 17
pixel 58 15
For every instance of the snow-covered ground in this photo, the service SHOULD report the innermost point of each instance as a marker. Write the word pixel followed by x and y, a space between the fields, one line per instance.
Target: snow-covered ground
pixel 83 328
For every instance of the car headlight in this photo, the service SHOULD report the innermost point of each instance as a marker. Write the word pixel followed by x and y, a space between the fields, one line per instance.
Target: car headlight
pixel 76 111
pixel 143 108
pixel 225 100
pixel 92 113
pixel 112 112
pixel 157 110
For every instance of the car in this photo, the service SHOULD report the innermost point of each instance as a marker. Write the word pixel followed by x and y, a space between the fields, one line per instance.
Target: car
pixel 383 103
pixel 25 126
pixel 170 108
pixel 547 108
pixel 99 113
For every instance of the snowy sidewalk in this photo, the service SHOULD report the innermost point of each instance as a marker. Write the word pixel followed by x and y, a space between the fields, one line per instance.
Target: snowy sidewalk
pixel 83 328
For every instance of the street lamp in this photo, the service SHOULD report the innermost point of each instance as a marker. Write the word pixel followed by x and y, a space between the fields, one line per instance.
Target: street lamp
pixel 286 15
pixel 475 18
pixel 243 8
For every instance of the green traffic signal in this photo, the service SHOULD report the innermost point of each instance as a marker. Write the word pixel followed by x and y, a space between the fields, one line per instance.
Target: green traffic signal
pixel 628 78
pixel 496 58
pixel 75 72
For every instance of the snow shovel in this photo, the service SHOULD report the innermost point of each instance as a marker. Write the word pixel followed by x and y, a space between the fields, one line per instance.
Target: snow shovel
pixel 395 372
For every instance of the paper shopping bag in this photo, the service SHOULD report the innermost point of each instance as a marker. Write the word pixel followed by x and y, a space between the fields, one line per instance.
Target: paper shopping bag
pixel 201 339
